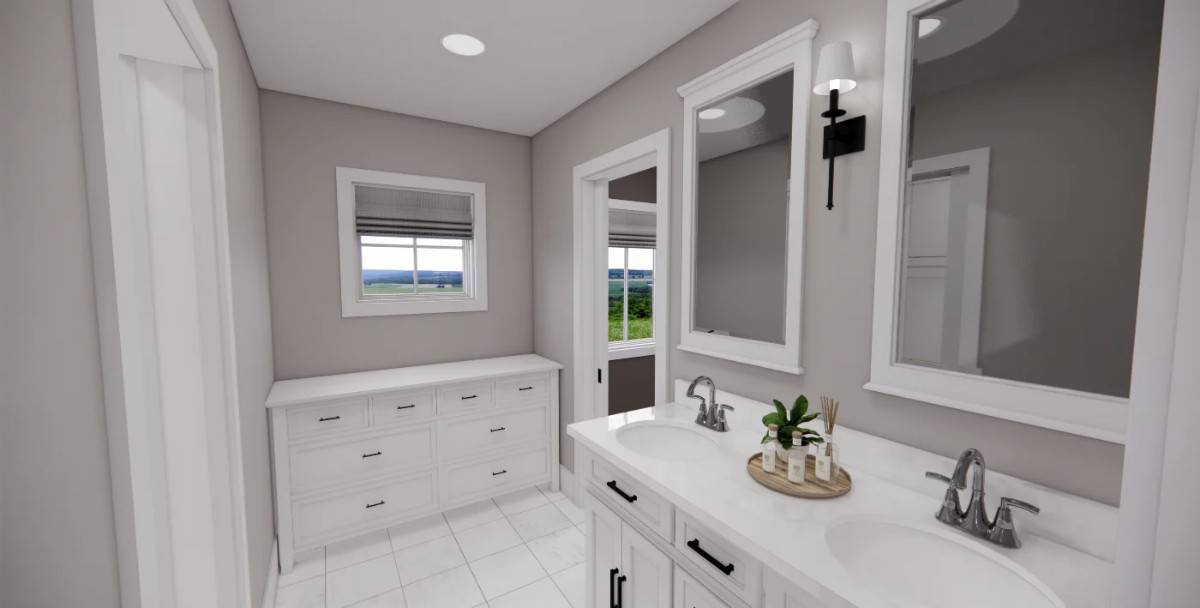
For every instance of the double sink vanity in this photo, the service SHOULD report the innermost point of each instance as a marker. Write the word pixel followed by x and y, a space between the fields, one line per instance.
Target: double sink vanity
pixel 675 520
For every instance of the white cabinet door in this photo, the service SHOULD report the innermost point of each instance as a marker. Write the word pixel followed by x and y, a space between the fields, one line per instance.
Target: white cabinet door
pixel 603 554
pixel 647 571
pixel 689 593
pixel 782 594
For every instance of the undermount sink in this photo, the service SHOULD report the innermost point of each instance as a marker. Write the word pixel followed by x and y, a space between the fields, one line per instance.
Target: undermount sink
pixel 916 566
pixel 666 441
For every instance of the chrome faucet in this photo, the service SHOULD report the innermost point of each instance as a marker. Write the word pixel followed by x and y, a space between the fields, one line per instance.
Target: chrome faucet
pixel 974 520
pixel 711 414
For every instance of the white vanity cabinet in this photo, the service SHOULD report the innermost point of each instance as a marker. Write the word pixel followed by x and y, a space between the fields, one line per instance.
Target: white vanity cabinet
pixel 625 569
pixel 355 453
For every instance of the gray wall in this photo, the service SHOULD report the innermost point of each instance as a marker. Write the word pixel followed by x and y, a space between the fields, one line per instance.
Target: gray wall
pixel 839 256
pixel 641 186
pixel 57 539
pixel 630 384
pixel 1070 160
pixel 303 141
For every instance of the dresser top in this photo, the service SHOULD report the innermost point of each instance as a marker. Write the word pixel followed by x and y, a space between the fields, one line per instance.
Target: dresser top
pixel 307 390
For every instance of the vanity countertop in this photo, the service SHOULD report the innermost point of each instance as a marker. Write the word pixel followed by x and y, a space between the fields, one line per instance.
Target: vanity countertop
pixel 788 534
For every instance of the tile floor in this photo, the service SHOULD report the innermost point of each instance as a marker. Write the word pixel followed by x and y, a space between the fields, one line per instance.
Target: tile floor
pixel 520 550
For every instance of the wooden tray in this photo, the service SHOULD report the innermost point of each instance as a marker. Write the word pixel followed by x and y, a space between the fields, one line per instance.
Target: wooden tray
pixel 812 488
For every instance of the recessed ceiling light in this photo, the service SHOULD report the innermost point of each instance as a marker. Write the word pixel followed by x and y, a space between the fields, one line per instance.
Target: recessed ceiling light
pixel 711 114
pixel 928 26
pixel 736 112
pixel 462 44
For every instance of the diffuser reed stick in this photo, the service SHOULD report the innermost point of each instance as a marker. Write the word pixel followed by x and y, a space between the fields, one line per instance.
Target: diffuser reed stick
pixel 829 412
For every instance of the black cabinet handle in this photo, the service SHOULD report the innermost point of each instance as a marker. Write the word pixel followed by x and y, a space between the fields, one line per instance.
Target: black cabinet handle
pixel 406 407
pixel 373 454
pixel 497 430
pixel 500 472
pixel 525 388
pixel 468 397
pixel 612 485
pixel 375 504
pixel 328 418
pixel 620 592
pixel 612 588
pixel 694 545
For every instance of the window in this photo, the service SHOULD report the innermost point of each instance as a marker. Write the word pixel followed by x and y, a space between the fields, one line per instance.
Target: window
pixel 410 244
pixel 630 296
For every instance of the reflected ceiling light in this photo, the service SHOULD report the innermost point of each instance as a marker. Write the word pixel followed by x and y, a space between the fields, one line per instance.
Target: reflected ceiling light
pixel 711 114
pixel 835 75
pixel 928 26
pixel 462 44
pixel 731 114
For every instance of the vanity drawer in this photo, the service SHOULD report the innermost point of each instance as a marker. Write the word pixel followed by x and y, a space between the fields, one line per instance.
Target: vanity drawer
pixel 633 497
pixel 463 437
pixel 527 390
pixel 734 568
pixel 318 520
pixel 398 408
pixel 463 398
pixel 463 481
pixel 327 418
pixel 689 593
pixel 317 465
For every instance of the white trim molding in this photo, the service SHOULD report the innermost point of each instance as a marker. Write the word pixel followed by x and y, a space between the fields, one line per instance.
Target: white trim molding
pixel 789 51
pixel 1092 415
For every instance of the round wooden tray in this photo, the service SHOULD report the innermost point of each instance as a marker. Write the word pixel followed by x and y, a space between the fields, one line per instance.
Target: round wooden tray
pixel 812 488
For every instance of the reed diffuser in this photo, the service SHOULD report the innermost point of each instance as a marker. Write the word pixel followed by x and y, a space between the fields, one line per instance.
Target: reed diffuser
pixel 828 455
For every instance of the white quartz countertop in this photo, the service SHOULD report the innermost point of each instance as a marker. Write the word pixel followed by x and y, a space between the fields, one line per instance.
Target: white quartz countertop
pixel 788 534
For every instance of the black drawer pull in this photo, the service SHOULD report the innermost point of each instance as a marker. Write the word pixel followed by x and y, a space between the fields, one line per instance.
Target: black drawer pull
pixel 612 586
pixel 328 418
pixel 612 485
pixel 500 472
pixel 375 504
pixel 497 430
pixel 468 397
pixel 694 545
pixel 525 388
pixel 406 407
pixel 373 454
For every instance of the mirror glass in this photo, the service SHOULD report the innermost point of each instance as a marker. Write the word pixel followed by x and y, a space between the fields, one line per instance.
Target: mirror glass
pixel 743 153
pixel 1029 151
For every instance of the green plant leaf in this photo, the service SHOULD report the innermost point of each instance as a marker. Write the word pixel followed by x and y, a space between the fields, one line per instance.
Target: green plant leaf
pixel 809 418
pixel 772 418
pixel 799 409
pixel 782 411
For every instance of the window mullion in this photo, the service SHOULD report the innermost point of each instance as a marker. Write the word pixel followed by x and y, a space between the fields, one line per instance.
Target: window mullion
pixel 416 270
pixel 625 299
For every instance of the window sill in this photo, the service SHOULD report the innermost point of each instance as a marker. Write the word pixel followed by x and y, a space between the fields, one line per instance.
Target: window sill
pixel 415 306
pixel 630 350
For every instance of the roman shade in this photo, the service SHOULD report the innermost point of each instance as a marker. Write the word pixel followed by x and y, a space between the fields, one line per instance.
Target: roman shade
pixel 383 211
pixel 630 229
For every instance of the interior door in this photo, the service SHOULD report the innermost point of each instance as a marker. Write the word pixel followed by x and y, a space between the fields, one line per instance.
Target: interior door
pixel 603 554
pixel 648 573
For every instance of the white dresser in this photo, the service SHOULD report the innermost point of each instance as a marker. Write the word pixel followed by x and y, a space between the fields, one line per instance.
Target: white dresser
pixel 354 453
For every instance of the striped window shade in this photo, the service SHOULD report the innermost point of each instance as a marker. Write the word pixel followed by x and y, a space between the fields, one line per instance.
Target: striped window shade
pixel 384 211
pixel 630 229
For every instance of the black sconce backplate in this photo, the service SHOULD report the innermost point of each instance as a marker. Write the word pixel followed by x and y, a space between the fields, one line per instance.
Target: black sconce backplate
pixel 850 136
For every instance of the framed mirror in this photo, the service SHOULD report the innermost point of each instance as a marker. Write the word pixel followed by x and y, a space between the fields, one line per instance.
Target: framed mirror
pixel 745 128
pixel 1012 198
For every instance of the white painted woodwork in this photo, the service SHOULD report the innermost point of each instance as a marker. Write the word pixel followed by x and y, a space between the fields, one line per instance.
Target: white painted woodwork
pixel 603 553
pixel 779 593
pixel 614 549
pixel 650 508
pixel 648 571
pixel 689 593
pixel 746 578
pixel 360 452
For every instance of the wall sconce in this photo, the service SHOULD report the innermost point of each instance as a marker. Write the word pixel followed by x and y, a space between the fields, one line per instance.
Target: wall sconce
pixel 835 75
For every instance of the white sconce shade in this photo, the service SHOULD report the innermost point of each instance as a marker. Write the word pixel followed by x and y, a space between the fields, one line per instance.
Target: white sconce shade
pixel 835 69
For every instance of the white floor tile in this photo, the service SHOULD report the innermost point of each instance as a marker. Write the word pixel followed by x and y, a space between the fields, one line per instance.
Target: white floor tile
pixel 553 495
pixel 521 500
pixel 539 522
pixel 419 531
pixel 559 550
pixel 390 599
pixel 304 594
pixel 486 539
pixel 573 584
pixel 568 508
pixel 542 594
pixel 357 550
pixel 506 571
pixel 473 515
pixel 451 589
pixel 308 564
pixel 426 559
pixel 360 581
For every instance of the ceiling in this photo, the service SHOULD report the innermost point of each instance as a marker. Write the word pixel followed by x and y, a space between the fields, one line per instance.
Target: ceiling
pixel 543 57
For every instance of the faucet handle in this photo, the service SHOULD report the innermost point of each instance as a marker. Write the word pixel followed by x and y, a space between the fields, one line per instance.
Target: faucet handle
pixel 944 479
pixel 724 407
pixel 1007 502
pixel 1003 532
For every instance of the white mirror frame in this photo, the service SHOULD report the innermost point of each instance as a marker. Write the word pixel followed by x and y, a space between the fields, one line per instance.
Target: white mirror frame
pixel 791 50
pixel 1088 414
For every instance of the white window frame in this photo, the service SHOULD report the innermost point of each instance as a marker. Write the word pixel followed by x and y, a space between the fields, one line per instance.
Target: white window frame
pixel 354 303
pixel 644 347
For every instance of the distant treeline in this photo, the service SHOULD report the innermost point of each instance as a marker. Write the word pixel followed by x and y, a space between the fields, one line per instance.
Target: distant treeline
pixel 405 277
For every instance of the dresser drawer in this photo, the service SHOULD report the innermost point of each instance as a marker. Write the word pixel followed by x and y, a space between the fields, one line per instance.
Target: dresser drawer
pixel 526 390
pixel 398 408
pixel 486 477
pixel 327 418
pixel 632 497
pixel 464 437
pixel 734 568
pixel 322 464
pixel 463 398
pixel 689 593
pixel 316 521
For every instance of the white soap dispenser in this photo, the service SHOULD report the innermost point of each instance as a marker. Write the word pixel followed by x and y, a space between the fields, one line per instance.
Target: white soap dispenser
pixel 797 459
pixel 770 447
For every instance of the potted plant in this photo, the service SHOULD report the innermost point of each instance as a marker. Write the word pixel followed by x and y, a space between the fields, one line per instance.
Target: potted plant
pixel 789 422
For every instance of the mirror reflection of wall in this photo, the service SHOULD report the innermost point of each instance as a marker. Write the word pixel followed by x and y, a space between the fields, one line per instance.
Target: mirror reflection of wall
pixel 743 147
pixel 1030 139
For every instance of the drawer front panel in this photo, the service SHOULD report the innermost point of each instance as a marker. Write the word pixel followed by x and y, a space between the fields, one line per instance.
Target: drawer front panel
pixel 317 520
pixel 464 398
pixel 734 568
pixel 486 477
pixel 399 408
pixel 689 593
pixel 526 390
pixel 467 436
pixel 327 418
pixel 633 498
pixel 314 466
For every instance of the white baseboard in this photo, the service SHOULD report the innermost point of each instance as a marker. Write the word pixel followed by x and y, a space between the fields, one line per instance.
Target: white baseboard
pixel 268 599
pixel 566 482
